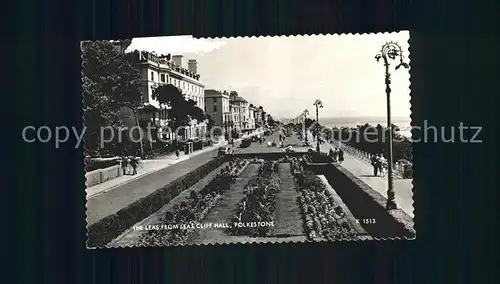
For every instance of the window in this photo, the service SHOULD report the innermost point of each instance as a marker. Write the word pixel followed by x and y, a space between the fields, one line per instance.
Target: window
pixel 152 76
pixel 162 78
pixel 214 100
pixel 215 108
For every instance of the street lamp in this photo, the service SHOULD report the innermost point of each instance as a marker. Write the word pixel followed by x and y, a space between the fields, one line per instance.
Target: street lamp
pixel 305 113
pixel 390 51
pixel 318 105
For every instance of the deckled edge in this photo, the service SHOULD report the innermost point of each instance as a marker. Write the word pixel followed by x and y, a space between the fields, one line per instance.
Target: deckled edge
pixel 256 242
pixel 301 35
pixel 82 94
pixel 412 143
pixel 408 52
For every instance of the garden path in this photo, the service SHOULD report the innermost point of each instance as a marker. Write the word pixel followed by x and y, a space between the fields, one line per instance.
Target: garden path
pixel 288 218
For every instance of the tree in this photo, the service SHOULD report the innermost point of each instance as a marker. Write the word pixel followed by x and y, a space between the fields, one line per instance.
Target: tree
pixel 181 111
pixel 171 96
pixel 194 112
pixel 110 82
pixel 210 122
pixel 270 121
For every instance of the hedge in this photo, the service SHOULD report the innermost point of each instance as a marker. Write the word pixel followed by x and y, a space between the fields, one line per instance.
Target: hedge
pixel 96 165
pixel 110 227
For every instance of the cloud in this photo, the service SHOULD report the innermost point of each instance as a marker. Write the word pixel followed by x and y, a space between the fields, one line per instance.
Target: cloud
pixel 174 45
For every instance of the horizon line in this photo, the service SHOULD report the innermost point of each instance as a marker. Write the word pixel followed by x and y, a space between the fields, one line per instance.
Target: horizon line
pixel 359 116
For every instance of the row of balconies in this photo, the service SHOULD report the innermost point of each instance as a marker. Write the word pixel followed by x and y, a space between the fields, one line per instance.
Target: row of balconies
pixel 154 59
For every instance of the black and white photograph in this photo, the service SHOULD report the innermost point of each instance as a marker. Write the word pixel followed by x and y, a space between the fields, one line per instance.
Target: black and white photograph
pixel 193 141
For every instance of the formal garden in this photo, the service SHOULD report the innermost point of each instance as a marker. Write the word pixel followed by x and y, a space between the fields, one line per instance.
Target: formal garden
pixel 248 199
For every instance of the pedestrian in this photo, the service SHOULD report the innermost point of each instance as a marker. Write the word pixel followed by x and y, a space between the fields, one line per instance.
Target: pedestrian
pixel 331 154
pixel 382 165
pixel 177 153
pixel 124 165
pixel 374 162
pixel 134 164
pixel 128 163
pixel 341 156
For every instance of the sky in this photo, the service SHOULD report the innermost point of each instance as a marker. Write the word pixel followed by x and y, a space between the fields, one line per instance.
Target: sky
pixel 287 74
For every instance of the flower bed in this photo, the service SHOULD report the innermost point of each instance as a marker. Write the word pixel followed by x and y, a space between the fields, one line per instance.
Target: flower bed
pixel 180 223
pixel 323 218
pixel 259 203
pixel 295 163
pixel 108 228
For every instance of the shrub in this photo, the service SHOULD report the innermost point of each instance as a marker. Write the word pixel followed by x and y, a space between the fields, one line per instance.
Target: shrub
pixel 323 218
pixel 97 165
pixel 108 228
pixel 259 202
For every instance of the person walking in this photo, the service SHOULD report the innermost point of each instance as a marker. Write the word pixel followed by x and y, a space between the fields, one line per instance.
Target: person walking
pixel 374 162
pixel 382 165
pixel 124 165
pixel 341 156
pixel 134 163
pixel 177 153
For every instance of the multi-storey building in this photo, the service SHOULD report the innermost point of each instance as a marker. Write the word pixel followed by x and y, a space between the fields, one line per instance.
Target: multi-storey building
pixel 234 121
pixel 252 117
pixel 258 117
pixel 157 70
pixel 217 106
pixel 241 108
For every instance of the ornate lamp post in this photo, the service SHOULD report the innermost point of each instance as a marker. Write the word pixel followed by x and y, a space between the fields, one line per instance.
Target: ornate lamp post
pixel 304 115
pixel 390 51
pixel 318 105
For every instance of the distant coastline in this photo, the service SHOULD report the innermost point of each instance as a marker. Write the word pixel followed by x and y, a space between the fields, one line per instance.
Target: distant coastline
pixel 404 123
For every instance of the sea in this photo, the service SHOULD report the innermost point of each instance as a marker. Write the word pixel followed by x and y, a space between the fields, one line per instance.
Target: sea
pixel 404 123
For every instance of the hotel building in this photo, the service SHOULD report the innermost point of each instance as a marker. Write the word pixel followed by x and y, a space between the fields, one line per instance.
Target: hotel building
pixel 158 70
pixel 241 109
pixel 217 106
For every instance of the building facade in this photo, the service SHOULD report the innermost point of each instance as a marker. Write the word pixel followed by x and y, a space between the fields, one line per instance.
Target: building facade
pixel 217 106
pixel 162 70
pixel 258 117
pixel 241 111
pixel 252 115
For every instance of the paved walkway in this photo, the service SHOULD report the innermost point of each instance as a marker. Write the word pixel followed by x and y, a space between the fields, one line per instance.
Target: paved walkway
pixel 363 171
pixel 109 197
pixel 109 202
pixel 146 167
pixel 288 217
pixel 256 147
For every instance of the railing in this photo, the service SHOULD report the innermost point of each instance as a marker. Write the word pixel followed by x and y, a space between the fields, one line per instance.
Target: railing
pixel 398 169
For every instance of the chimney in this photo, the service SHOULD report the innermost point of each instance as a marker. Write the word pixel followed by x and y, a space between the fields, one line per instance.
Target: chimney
pixel 193 66
pixel 177 60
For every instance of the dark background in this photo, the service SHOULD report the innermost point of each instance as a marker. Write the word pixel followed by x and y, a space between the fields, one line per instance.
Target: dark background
pixel 453 73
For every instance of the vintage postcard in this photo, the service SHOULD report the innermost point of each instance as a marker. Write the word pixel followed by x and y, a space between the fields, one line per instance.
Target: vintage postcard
pixel 193 141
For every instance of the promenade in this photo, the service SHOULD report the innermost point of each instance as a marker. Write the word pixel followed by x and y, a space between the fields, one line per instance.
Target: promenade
pixel 118 194
pixel 109 197
pixel 357 166
pixel 364 171
pixel 109 202
pixel 146 167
